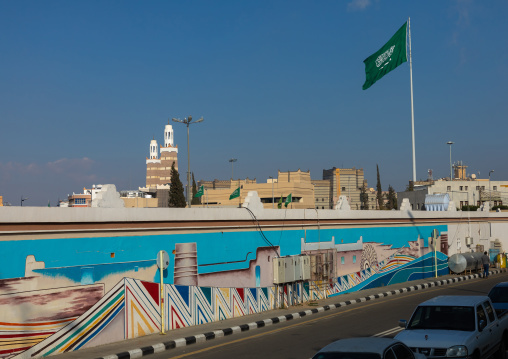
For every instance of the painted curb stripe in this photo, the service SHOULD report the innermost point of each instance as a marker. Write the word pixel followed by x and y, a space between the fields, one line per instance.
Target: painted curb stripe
pixel 135 353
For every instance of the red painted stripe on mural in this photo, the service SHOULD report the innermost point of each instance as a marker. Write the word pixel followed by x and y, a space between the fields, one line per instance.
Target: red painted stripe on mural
pixel 25 334
pixel 152 289
pixel 37 324
pixel 13 351
pixel 142 307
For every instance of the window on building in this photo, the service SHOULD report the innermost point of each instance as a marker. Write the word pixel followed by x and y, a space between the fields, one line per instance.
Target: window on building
pixel 354 259
pixel 461 188
pixel 448 188
pixel 466 188
pixel 461 204
pixel 477 188
pixel 494 188
pixel 343 189
pixel 342 261
pixel 483 188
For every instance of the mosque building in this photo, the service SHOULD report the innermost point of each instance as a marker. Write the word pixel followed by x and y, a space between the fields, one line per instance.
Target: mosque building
pixel 158 169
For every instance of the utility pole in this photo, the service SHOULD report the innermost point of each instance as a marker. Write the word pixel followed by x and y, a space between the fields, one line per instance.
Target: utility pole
pixel 188 121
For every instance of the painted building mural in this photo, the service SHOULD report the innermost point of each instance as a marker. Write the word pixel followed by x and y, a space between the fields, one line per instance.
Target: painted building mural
pixel 93 291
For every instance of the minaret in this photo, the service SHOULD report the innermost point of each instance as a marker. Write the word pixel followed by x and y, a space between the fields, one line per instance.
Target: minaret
pixel 154 149
pixel 169 154
pixel 153 165
pixel 168 136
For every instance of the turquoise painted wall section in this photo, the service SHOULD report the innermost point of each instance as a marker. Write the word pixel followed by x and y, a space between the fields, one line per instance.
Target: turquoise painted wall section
pixel 66 257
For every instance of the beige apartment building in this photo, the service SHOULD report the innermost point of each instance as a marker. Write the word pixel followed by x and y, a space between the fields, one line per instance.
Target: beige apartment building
pixel 296 183
pixel 346 182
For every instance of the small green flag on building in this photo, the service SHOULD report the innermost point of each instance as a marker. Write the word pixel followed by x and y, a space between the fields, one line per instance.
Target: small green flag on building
pixel 279 206
pixel 200 192
pixel 49 205
pixel 387 58
pixel 235 194
pixel 289 199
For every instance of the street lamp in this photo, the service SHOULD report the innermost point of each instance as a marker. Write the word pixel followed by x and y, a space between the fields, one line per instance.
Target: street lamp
pixel 490 192
pixel 188 121
pixel 450 143
pixel 273 199
pixel 232 160
pixel 23 200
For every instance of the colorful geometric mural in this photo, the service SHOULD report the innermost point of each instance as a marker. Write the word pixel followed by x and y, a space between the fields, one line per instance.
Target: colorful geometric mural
pixel 103 289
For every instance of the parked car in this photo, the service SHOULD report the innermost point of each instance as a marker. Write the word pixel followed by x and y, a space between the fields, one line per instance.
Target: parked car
pixel 456 326
pixel 499 297
pixel 367 348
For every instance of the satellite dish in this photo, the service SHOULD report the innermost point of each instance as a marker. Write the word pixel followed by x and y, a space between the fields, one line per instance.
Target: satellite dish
pixel 165 259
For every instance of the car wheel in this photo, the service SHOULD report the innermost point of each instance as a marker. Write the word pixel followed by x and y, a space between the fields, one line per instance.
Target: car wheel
pixel 501 352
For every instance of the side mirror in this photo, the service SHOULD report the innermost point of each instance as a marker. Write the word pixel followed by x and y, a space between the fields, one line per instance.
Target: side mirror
pixel 403 323
pixel 482 325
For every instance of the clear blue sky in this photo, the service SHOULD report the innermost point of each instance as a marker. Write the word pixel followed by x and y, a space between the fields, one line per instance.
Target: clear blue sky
pixel 84 86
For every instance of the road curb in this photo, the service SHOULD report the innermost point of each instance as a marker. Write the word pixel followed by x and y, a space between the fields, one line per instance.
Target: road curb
pixel 160 347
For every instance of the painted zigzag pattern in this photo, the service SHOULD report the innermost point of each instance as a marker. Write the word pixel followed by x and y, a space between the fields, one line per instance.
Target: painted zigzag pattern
pixel 142 314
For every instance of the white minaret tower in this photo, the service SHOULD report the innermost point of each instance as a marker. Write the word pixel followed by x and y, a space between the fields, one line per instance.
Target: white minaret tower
pixel 154 147
pixel 168 136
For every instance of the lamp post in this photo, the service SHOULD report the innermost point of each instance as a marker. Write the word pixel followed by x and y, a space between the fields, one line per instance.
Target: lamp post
pixel 451 174
pixel 273 198
pixel 188 121
pixel 23 200
pixel 490 192
pixel 232 160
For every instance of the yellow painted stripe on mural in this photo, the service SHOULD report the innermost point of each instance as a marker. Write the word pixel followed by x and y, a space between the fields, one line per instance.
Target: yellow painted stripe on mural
pixel 33 329
pixel 83 330
pixel 134 307
pixel 23 344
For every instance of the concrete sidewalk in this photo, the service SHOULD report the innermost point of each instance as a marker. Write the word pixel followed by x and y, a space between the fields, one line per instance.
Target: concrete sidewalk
pixel 155 343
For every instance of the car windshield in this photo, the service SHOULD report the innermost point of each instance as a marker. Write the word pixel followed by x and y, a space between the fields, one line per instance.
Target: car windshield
pixel 336 355
pixel 443 317
pixel 499 295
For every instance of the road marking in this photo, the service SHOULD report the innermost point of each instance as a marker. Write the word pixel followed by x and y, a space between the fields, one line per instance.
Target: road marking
pixel 388 332
pixel 291 326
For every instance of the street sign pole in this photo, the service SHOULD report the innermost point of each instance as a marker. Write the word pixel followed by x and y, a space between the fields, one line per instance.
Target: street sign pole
pixel 162 263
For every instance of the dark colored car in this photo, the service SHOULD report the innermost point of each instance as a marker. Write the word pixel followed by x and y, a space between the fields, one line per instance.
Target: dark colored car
pixel 499 297
pixel 367 348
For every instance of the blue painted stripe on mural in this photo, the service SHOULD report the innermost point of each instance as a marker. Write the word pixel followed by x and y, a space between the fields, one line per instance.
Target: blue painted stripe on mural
pixel 99 271
pixel 183 292
pixel 386 278
pixel 99 329
pixel 207 292
pixel 78 331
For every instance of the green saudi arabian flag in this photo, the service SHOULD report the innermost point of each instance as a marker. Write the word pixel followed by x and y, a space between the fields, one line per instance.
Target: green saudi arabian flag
pixel 289 199
pixel 200 192
pixel 235 194
pixel 387 58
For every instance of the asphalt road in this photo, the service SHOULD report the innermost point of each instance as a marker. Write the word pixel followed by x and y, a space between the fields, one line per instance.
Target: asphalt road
pixel 303 337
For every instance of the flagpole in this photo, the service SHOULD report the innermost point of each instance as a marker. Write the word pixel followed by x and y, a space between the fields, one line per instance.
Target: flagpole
pixel 412 110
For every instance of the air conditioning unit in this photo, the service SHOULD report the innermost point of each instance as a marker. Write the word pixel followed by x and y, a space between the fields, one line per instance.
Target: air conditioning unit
pixel 289 269
pixel 305 263
pixel 278 270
